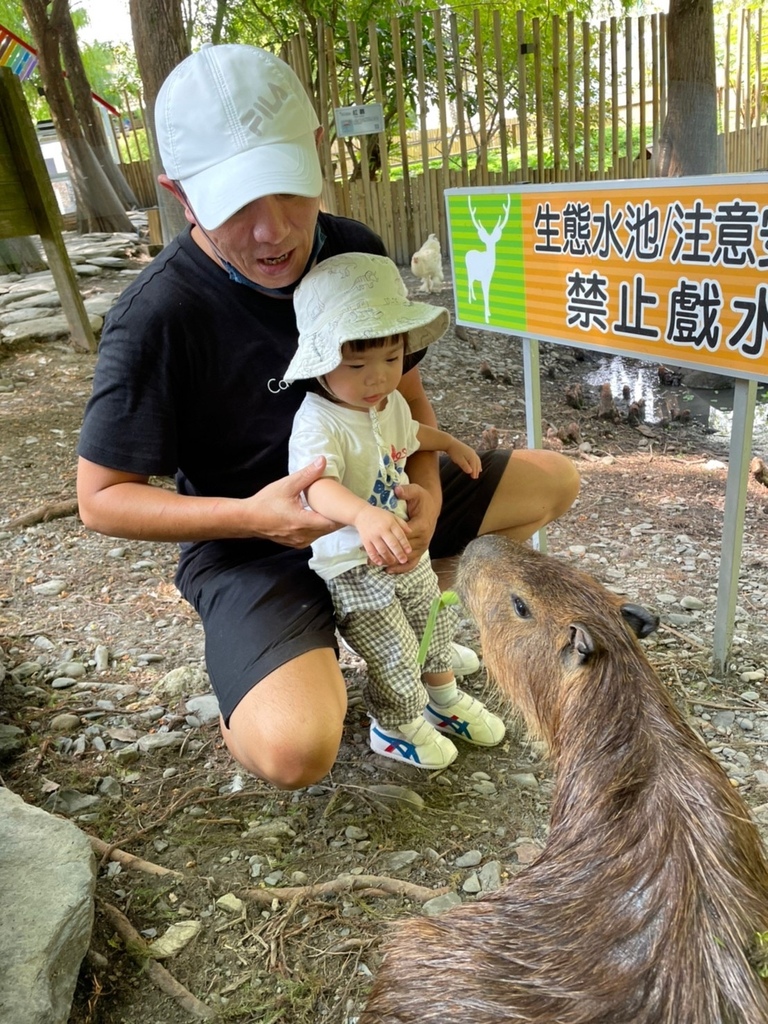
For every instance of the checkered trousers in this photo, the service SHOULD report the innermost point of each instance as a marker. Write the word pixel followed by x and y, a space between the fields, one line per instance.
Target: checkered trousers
pixel 383 617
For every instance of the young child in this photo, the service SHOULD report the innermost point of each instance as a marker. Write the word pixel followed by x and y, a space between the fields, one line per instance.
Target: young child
pixel 355 325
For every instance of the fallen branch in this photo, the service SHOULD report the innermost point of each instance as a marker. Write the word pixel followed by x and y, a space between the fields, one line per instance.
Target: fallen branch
pixel 347 883
pixel 141 950
pixel 128 860
pixel 43 514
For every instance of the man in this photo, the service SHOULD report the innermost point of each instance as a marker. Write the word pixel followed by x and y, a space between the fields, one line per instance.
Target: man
pixel 189 381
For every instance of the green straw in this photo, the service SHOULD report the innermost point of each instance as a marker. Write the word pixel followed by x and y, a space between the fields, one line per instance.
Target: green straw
pixel 446 598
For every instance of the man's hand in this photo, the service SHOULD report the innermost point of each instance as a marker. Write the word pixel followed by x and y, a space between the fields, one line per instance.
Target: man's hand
pixel 422 519
pixel 281 515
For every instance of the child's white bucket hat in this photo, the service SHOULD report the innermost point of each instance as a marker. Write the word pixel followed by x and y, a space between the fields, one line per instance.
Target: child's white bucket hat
pixel 352 297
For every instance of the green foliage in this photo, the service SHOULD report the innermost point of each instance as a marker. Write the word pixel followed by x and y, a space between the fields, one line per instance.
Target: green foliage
pixel 99 63
pixel 12 17
pixel 137 147
pixel 758 954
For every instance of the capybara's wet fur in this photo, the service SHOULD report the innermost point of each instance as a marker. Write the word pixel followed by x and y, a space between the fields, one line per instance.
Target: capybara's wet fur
pixel 647 903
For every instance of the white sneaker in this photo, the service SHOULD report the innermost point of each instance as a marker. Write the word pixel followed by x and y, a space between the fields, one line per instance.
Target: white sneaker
pixel 468 720
pixel 464 661
pixel 415 743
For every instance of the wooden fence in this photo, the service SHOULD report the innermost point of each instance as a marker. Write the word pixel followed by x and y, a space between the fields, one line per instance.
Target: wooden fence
pixel 536 100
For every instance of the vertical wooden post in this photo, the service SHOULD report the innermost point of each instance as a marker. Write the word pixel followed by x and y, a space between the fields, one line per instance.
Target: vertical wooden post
pixel 614 98
pixel 556 99
pixel 482 161
pixel 586 46
pixel 409 237
pixel 458 81
pixel 387 221
pixel 28 205
pixel 601 107
pixel 522 105
pixel 538 93
pixel 501 93
pixel 643 165
pixel 571 65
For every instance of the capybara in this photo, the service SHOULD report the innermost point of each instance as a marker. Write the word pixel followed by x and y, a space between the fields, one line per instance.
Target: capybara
pixel 649 901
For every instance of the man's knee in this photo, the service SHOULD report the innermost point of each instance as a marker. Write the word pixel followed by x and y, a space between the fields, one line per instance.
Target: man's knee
pixel 286 762
pixel 287 729
pixel 569 484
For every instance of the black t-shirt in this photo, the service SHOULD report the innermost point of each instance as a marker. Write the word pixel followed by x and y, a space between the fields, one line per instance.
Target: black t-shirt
pixel 189 381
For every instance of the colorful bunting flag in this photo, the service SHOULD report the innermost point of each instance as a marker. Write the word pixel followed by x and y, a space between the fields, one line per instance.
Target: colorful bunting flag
pixel 15 55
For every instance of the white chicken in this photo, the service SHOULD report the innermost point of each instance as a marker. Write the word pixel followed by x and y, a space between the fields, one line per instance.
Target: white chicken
pixel 427 264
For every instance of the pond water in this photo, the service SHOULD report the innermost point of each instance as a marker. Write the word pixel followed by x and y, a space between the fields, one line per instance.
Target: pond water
pixel 713 409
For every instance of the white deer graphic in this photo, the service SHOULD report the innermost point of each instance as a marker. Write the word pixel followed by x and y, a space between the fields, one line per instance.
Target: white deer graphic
pixel 482 263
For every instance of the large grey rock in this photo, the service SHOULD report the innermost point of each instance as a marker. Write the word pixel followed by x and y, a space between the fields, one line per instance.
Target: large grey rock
pixel 45 329
pixel 17 293
pixel 47 880
pixel 16 315
pixel 51 299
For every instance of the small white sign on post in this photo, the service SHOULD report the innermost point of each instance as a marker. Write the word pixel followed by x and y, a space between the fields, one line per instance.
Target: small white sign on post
pixel 360 119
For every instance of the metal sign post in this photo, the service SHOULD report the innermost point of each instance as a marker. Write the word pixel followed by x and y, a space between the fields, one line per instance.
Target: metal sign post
pixel 669 270
pixel 733 526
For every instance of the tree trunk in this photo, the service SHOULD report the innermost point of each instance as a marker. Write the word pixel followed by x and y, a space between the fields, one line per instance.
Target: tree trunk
pixel 688 141
pixel 218 21
pixel 160 44
pixel 98 208
pixel 85 111
pixel 20 256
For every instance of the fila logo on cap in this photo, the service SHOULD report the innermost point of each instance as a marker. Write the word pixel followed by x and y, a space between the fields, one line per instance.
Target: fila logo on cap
pixel 264 107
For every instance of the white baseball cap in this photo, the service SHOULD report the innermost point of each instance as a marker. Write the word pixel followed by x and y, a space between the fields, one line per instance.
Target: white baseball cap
pixel 234 123
pixel 351 297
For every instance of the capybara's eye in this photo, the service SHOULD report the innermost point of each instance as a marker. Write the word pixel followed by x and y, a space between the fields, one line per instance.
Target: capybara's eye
pixel 521 608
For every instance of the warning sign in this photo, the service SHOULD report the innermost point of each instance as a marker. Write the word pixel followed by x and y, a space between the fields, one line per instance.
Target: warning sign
pixel 667 269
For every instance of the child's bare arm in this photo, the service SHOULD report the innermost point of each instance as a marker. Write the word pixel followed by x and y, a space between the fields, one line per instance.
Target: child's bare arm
pixel 433 440
pixel 384 536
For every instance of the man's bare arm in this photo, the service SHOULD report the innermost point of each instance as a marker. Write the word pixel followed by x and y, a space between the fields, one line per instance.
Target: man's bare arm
pixel 127 505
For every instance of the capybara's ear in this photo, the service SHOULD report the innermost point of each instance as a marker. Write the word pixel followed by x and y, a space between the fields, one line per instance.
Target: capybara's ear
pixel 582 644
pixel 639 619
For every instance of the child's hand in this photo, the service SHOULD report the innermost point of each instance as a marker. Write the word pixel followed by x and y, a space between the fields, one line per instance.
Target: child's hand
pixel 384 536
pixel 466 458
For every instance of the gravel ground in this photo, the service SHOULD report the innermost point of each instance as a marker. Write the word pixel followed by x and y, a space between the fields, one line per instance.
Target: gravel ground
pixel 103 674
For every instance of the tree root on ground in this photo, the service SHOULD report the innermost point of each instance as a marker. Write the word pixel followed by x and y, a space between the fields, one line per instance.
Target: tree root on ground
pixel 346 883
pixel 44 514
pixel 128 860
pixel 141 950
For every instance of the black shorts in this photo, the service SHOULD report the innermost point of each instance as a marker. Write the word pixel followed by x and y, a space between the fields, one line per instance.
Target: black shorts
pixel 259 613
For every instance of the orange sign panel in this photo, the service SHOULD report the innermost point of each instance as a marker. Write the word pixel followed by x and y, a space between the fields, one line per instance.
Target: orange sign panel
pixel 674 270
